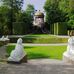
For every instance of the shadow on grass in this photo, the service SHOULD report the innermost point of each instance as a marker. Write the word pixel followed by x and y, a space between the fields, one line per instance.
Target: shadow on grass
pixel 12 47
pixel 28 47
pixel 31 55
pixel 36 56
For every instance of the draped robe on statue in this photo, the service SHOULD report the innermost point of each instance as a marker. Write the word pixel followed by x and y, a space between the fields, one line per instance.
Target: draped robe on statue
pixel 18 53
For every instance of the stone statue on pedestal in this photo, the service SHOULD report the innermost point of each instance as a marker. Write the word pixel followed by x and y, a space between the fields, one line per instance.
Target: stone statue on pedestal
pixel 2 38
pixel 68 55
pixel 6 38
pixel 18 54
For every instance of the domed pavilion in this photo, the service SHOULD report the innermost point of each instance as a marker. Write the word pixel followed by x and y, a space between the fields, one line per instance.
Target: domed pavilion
pixel 38 23
pixel 38 19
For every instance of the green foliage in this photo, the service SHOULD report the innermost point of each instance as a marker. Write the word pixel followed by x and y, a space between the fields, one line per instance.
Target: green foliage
pixel 14 7
pixel 13 4
pixel 30 9
pixel 60 11
pixel 64 5
pixel 67 6
pixel 36 52
pixel 4 11
pixel 13 16
pixel 30 13
pixel 22 23
pixel 71 23
pixel 53 12
pixel 11 13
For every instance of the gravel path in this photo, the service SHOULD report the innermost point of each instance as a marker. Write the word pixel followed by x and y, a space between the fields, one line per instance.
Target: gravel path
pixel 31 44
pixel 3 52
pixel 40 66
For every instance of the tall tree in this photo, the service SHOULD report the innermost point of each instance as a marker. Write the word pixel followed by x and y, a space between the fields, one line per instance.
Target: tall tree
pixel 30 12
pixel 14 6
pixel 4 11
pixel 30 9
pixel 53 13
pixel 71 14
pixel 64 5
pixel 67 6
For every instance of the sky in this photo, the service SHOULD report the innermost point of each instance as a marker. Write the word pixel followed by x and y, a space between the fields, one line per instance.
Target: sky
pixel 38 4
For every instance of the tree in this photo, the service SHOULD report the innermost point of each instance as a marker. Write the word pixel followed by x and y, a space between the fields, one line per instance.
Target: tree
pixel 30 12
pixel 53 13
pixel 4 11
pixel 64 5
pixel 30 9
pixel 22 23
pixel 25 19
pixel 14 6
pixel 71 14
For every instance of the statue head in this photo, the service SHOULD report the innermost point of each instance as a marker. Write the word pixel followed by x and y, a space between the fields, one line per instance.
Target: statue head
pixel 3 37
pixel 19 41
pixel 7 36
pixel 71 33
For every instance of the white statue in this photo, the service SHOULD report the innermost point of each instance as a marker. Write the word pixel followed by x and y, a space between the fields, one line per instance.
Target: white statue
pixel 6 38
pixel 18 53
pixel 2 38
pixel 70 49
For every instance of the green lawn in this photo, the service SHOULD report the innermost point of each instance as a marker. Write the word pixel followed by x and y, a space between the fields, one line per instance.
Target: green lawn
pixel 36 52
pixel 39 38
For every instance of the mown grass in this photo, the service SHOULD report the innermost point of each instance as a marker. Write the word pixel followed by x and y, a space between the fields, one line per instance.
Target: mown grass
pixel 37 52
pixel 40 38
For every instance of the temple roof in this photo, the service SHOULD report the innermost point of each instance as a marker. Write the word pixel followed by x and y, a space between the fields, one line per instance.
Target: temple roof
pixel 39 13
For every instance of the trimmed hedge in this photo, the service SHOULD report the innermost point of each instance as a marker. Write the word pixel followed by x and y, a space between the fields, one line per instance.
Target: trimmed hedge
pixel 60 28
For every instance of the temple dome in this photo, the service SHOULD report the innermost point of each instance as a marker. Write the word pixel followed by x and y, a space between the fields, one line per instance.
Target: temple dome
pixel 38 13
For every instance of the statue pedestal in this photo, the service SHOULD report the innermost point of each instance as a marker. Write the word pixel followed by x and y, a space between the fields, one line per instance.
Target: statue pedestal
pixel 18 55
pixel 3 52
pixel 23 60
pixel 68 58
pixel 68 55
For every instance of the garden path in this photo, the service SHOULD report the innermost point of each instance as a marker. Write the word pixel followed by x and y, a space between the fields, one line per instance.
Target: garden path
pixel 39 66
pixel 34 44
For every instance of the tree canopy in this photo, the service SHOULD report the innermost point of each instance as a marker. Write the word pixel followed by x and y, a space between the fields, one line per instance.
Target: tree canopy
pixel 59 11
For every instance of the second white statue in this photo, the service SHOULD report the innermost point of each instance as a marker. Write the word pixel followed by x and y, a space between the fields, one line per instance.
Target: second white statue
pixel 68 55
